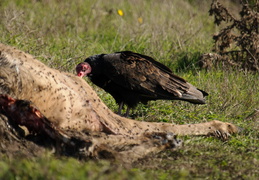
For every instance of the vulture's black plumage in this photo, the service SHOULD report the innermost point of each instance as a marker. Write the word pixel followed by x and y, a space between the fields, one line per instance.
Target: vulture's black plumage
pixel 132 78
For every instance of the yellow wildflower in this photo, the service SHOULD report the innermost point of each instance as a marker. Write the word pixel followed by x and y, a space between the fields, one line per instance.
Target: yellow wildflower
pixel 140 20
pixel 120 12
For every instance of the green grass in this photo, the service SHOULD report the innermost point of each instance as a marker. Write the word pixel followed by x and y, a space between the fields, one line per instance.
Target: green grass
pixel 63 33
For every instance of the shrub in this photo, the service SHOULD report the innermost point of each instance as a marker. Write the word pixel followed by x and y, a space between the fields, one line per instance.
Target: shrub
pixel 236 44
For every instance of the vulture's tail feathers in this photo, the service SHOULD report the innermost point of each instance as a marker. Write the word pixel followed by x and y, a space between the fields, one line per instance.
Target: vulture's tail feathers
pixel 194 95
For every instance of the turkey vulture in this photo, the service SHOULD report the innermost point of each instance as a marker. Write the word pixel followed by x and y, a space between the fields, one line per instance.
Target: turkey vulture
pixel 132 78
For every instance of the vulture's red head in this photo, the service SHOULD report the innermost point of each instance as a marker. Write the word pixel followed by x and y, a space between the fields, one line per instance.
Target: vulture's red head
pixel 83 69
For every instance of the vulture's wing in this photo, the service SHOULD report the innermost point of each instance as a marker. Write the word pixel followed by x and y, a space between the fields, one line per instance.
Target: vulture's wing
pixel 143 74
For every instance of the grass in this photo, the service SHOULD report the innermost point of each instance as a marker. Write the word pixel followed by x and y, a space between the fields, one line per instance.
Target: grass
pixel 63 33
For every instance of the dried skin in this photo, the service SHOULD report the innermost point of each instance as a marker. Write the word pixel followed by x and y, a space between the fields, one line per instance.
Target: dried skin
pixel 124 148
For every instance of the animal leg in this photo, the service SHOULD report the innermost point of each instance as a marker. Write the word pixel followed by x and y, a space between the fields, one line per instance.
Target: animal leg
pixel 222 130
pixel 127 111
pixel 120 108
